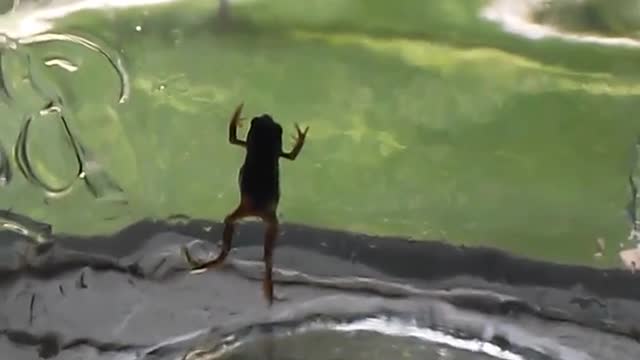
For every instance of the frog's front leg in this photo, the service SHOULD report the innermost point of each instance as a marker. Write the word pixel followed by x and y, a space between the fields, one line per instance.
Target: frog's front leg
pixel 236 121
pixel 299 143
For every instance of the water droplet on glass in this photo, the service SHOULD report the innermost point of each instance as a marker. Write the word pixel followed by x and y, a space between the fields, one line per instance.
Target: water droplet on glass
pixel 51 108
pixel 62 63
pixel 600 246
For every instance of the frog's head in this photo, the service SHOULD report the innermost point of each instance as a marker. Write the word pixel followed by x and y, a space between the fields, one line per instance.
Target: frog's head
pixel 265 133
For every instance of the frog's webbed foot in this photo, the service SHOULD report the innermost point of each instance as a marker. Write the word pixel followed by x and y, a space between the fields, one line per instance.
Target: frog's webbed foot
pixel 193 264
pixel 276 297
pixel 227 237
pixel 300 136
pixel 270 295
pixel 280 296
pixel 298 139
pixel 197 267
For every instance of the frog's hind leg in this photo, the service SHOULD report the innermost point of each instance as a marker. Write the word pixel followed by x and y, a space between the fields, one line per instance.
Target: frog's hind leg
pixel 271 233
pixel 227 236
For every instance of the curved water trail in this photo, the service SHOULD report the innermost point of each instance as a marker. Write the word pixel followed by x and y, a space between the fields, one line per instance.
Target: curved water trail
pixel 24 164
pixel 89 170
pixel 95 179
pixel 430 321
pixel 389 326
pixel 29 24
pixel 114 60
pixel 4 90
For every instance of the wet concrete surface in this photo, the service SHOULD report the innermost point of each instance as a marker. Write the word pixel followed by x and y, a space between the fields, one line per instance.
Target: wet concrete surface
pixel 103 297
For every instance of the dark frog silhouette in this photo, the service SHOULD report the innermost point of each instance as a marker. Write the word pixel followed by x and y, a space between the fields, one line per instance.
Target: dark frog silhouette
pixel 259 187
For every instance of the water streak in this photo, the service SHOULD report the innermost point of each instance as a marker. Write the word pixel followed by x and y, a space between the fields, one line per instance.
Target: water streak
pixel 62 63
pixel 5 167
pixel 114 60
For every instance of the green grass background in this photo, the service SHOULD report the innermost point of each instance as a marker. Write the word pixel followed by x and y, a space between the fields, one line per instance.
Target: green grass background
pixel 425 121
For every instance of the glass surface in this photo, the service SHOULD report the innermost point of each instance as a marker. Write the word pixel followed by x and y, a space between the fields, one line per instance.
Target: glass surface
pixel 504 125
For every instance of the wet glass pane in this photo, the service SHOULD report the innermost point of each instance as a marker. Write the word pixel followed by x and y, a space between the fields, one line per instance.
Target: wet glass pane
pixel 429 179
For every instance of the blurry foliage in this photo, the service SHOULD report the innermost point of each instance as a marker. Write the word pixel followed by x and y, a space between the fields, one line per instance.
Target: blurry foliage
pixel 608 17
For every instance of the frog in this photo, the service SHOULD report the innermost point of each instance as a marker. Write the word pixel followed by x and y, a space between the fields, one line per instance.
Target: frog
pixel 259 185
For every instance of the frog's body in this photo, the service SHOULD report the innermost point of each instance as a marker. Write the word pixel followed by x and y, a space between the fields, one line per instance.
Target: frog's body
pixel 259 186
pixel 259 175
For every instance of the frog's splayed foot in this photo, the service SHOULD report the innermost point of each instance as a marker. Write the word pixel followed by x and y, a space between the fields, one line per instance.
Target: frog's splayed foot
pixel 197 267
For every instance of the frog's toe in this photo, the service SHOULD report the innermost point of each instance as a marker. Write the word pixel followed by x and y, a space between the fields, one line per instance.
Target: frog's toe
pixel 194 265
pixel 280 296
